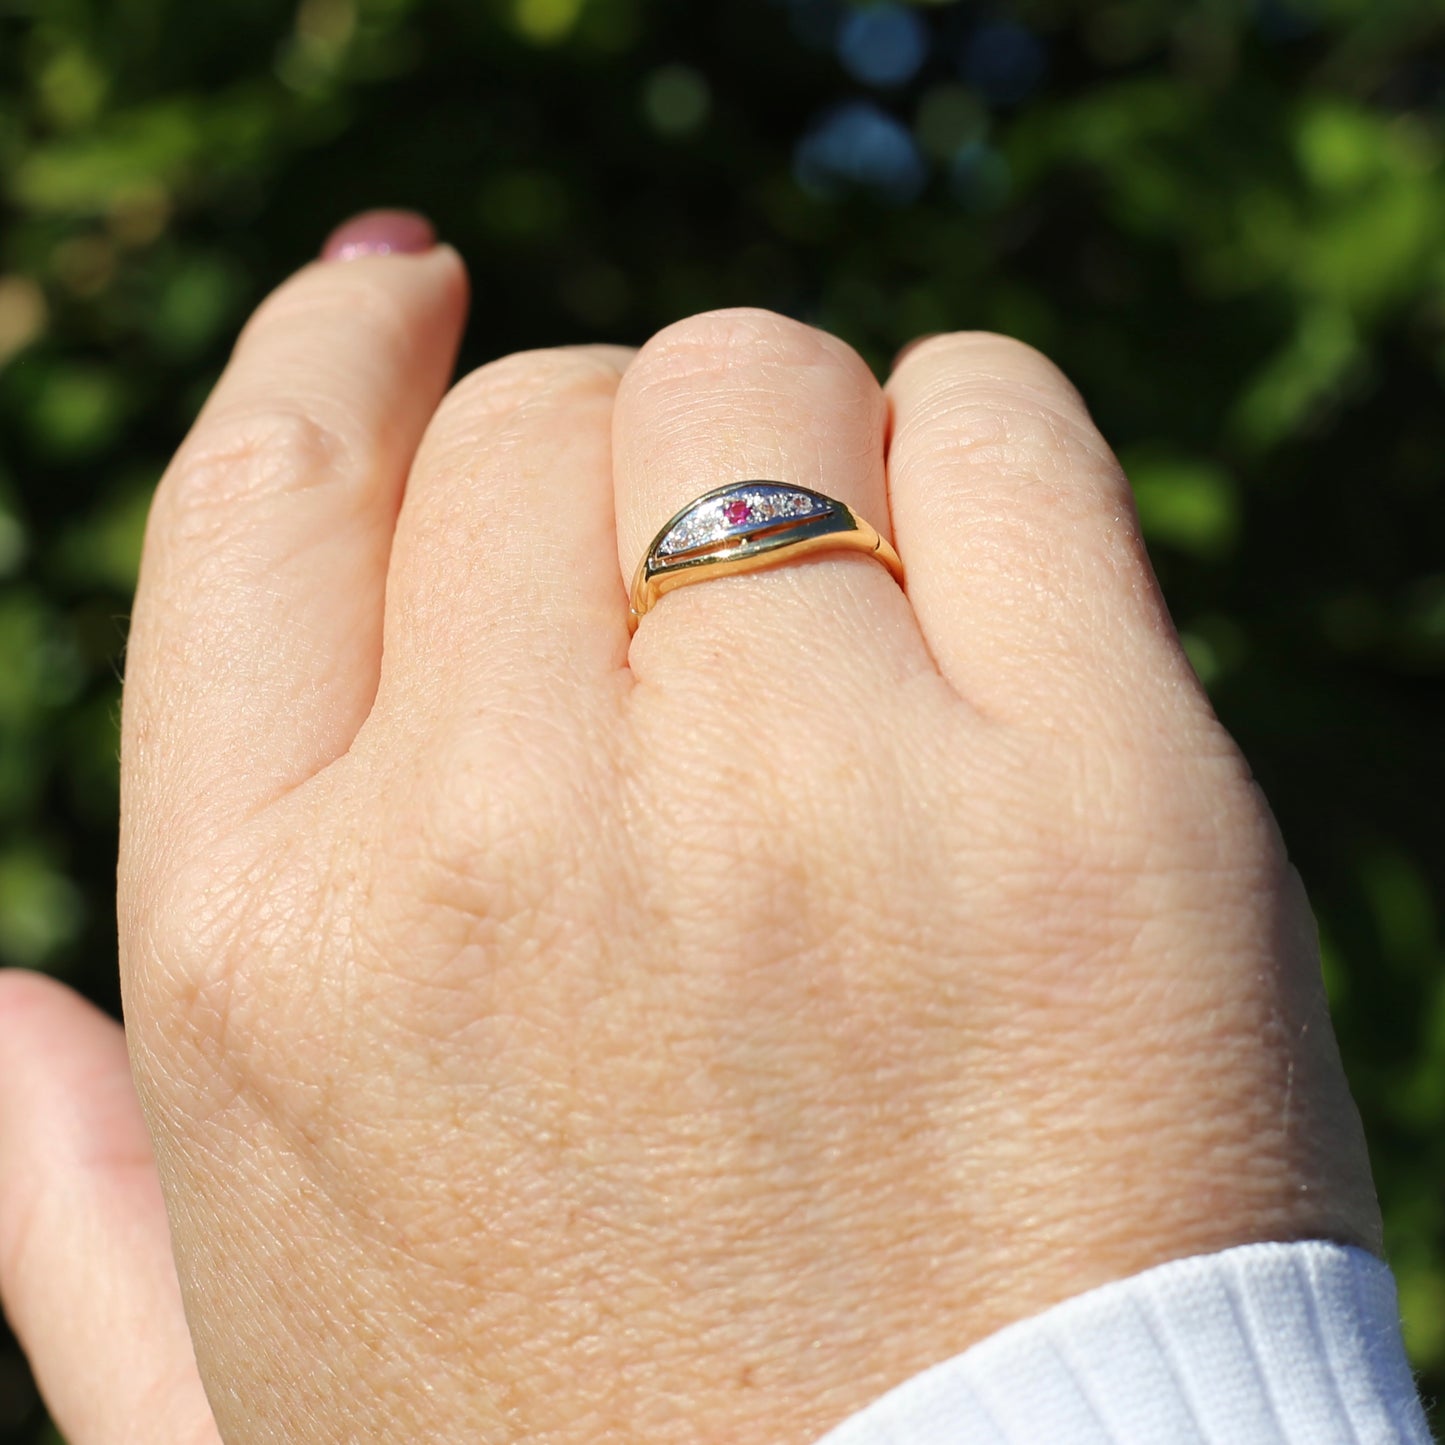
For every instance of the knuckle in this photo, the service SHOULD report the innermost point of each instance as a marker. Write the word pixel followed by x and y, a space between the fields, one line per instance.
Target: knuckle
pixel 976 391
pixel 966 355
pixel 717 341
pixel 724 329
pixel 547 379
pixel 994 428
pixel 251 456
pixel 1006 420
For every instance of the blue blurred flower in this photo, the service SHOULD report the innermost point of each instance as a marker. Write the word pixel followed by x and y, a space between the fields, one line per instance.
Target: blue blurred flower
pixel 858 144
pixel 883 44
pixel 1004 61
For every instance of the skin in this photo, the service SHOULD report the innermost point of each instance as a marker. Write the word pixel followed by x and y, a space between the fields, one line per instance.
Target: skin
pixel 541 1034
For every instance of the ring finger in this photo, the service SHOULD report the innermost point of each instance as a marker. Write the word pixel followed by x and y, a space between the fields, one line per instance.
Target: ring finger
pixel 746 395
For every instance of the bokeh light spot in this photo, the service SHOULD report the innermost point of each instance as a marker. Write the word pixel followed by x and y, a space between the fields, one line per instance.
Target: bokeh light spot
pixel 77 412
pixel 85 264
pixel 12 543
pixel 979 178
pixel 72 88
pixel 105 546
pixel 200 296
pixel 1422 1312
pixel 524 204
pixel 326 24
pixel 676 99
pixel 139 215
pixel 1004 61
pixel 1186 502
pixel 860 145
pixel 949 118
pixel 40 908
pixel 22 314
pixel 545 22
pixel 883 45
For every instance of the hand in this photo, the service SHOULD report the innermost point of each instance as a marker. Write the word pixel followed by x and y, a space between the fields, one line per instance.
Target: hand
pixel 548 1035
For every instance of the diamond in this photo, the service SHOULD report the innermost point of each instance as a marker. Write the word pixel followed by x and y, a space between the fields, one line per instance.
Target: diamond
pixel 737 513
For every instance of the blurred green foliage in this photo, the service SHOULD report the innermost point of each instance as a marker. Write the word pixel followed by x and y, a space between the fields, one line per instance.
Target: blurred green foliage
pixel 1225 218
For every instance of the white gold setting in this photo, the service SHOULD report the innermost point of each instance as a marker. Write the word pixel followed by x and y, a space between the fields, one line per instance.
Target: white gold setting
pixel 738 513
pixel 747 525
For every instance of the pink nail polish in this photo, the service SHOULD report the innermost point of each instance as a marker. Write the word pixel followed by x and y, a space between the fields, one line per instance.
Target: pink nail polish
pixel 380 233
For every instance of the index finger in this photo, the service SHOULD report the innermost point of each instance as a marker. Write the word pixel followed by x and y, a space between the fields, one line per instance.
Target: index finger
pixel 256 636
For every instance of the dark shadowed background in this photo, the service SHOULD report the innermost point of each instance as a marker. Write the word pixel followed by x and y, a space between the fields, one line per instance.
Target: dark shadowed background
pixel 1225 218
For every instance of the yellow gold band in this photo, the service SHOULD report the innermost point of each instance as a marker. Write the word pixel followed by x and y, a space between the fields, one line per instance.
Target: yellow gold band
pixel 745 525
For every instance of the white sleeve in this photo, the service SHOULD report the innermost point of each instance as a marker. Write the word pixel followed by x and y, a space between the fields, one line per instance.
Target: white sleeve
pixel 1267 1344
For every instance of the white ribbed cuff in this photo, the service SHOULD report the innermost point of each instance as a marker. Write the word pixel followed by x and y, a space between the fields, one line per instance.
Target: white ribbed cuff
pixel 1267 1344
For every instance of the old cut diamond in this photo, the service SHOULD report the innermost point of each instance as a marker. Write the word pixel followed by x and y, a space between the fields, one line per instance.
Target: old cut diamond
pixel 735 514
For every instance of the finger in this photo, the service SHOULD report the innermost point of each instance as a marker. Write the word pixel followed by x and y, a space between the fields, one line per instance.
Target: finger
pixel 502 571
pixel 1026 566
pixel 85 1257
pixel 748 395
pixel 256 634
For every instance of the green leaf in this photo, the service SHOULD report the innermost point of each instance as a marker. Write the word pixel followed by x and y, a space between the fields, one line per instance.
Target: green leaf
pixel 1189 503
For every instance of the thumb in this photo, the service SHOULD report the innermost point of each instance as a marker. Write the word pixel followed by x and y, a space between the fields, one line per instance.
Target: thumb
pixel 86 1272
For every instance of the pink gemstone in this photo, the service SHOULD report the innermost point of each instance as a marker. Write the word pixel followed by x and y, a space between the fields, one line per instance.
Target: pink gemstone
pixel 735 513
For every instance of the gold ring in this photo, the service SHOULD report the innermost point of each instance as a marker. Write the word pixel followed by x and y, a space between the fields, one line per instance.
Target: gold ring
pixel 744 525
